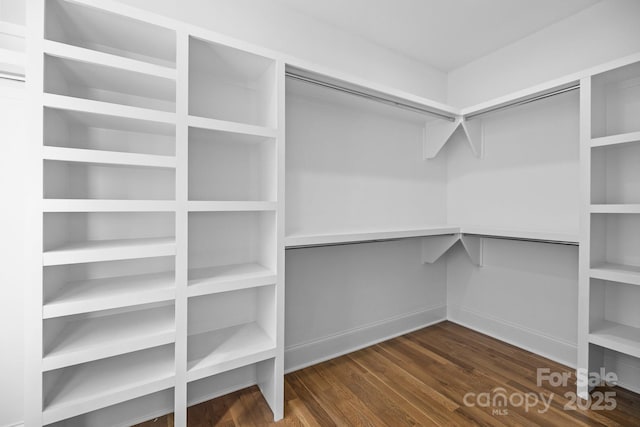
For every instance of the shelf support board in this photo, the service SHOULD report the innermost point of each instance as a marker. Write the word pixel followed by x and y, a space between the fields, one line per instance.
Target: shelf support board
pixel 436 135
pixel 473 132
pixel 473 245
pixel 433 247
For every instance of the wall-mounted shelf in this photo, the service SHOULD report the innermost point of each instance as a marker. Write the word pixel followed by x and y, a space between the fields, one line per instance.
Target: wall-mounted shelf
pixel 83 205
pixel 107 157
pixel 231 127
pixel 616 273
pixel 89 81
pixel 87 26
pixel 529 235
pixel 86 339
pixel 624 138
pixel 621 338
pixel 226 278
pixel 106 108
pixel 109 293
pixel 211 353
pixel 231 206
pixel 294 241
pixel 61 50
pixel 615 208
pixel 94 385
pixel 107 250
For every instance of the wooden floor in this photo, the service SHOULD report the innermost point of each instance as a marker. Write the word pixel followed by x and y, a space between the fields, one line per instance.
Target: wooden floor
pixel 420 379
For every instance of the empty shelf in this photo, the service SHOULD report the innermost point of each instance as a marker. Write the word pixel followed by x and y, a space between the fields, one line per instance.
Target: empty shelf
pixel 233 127
pixel 205 206
pixel 62 50
pixel 106 382
pixel 107 157
pixel 615 336
pixel 299 240
pixel 109 250
pixel 84 205
pixel 616 208
pixel 225 278
pixel 616 273
pixel 107 293
pixel 218 351
pixel 616 139
pixel 84 340
pixel 105 108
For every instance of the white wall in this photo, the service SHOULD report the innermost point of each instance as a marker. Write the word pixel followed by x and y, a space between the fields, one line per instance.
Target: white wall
pixel 525 293
pixel 12 250
pixel 341 298
pixel 275 26
pixel 606 31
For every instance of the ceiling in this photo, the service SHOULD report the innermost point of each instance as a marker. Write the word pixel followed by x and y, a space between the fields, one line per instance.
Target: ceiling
pixel 445 34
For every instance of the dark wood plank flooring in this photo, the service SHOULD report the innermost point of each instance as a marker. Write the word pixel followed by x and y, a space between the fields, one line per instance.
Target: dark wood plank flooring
pixel 421 379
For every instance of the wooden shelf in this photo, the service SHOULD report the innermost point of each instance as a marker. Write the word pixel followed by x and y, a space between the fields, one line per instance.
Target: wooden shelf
pixel 300 240
pixel 248 206
pixel 232 127
pixel 106 382
pixel 106 108
pixel 87 339
pixel 225 278
pixel 101 157
pixel 624 138
pixel 532 235
pixel 109 250
pixel 222 350
pixel 616 208
pixel 85 205
pixel 108 293
pixel 615 336
pixel 616 273
pixel 62 50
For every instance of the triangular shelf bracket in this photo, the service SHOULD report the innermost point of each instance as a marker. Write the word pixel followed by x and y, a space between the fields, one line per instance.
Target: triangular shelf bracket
pixel 475 136
pixel 433 247
pixel 473 245
pixel 437 134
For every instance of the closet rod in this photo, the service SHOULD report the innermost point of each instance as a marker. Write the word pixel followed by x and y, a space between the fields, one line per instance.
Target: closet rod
pixel 489 236
pixel 525 239
pixel 523 101
pixel 14 77
pixel 369 96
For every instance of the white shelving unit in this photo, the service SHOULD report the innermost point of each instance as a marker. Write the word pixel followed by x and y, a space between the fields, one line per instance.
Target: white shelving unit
pixel 610 255
pixel 158 148
pixel 159 168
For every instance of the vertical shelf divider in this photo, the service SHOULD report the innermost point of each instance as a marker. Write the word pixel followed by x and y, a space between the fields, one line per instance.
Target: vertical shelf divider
pixel 33 402
pixel 584 252
pixel 182 233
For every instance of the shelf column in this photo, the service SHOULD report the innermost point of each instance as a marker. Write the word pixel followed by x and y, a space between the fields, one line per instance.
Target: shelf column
pixel 181 222
pixel 585 231
pixel 33 401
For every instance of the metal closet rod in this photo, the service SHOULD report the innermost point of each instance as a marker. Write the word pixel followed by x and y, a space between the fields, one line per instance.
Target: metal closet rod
pixel 14 77
pixel 369 96
pixel 489 236
pixel 524 101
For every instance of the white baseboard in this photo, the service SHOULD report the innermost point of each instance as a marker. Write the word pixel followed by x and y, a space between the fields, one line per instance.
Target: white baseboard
pixel 310 353
pixel 528 339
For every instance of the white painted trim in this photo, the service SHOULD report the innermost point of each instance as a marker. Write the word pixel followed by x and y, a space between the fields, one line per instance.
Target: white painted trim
pixel 20 424
pixel 313 352
pixel 553 348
